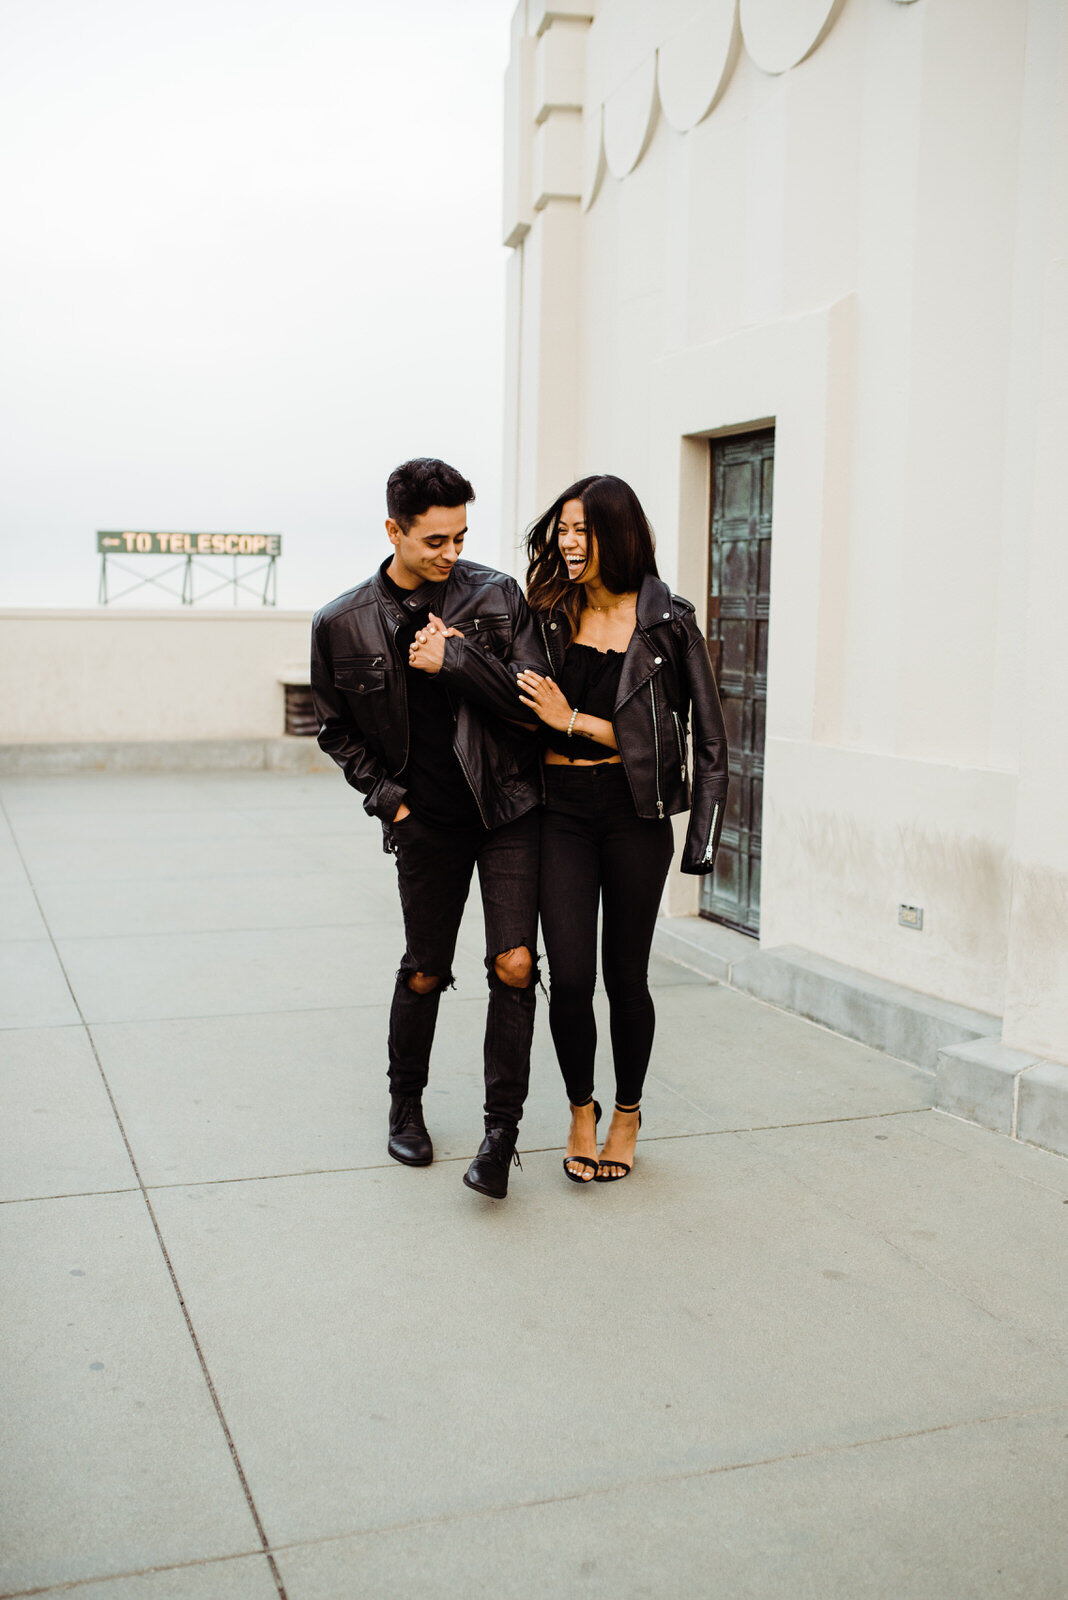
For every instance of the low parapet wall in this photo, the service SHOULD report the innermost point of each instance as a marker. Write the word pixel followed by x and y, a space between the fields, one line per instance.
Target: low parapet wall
pixel 105 675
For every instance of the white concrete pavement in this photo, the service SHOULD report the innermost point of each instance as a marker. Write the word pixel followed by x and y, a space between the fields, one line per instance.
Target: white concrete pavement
pixel 814 1346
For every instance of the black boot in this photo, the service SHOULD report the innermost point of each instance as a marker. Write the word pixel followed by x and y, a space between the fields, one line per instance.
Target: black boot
pixel 488 1172
pixel 408 1139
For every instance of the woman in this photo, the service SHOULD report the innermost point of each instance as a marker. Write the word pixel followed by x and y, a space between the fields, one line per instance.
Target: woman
pixel 629 666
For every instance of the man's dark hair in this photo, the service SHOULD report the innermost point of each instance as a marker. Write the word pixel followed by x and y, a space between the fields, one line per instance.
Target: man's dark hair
pixel 415 486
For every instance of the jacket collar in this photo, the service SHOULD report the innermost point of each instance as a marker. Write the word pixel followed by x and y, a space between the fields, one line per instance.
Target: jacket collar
pixel 654 602
pixel 653 608
pixel 643 655
pixel 428 594
pixel 642 658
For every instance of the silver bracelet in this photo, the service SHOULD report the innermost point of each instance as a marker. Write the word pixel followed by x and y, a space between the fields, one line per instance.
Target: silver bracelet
pixel 571 724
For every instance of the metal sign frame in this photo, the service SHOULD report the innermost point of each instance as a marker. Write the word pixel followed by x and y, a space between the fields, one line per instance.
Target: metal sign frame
pixel 196 550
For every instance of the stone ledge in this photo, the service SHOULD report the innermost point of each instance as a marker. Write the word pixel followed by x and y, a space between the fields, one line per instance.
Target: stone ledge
pixel 976 1077
pixel 282 754
pixel 704 947
pixel 902 1022
pixel 1042 1106
pixel 979 1081
pixel 1007 1090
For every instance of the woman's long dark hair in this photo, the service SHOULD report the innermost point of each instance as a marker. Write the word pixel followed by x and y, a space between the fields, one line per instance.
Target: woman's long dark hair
pixel 625 546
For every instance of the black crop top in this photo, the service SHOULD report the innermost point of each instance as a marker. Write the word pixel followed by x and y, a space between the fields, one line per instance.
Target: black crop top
pixel 589 682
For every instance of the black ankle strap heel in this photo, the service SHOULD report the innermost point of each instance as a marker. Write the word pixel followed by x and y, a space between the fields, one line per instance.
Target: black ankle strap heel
pixel 614 1177
pixel 583 1161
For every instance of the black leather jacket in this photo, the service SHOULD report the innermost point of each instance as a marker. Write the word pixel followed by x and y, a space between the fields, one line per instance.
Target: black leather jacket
pixel 357 682
pixel 666 680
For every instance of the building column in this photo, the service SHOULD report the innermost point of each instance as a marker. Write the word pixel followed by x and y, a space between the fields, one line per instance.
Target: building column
pixel 542 211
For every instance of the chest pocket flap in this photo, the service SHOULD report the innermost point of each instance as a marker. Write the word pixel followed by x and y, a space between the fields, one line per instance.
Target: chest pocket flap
pixel 492 632
pixel 359 677
pixel 493 622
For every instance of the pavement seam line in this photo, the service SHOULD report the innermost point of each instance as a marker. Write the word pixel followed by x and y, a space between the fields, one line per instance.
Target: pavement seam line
pixel 563 1499
pixel 296 1010
pixel 223 1016
pixel 69 1585
pixel 193 933
pixel 440 1161
pixel 224 1425
pixel 671 1478
pixel 74 1194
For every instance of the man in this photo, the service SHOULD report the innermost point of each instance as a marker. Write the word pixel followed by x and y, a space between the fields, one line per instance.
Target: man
pixel 413 674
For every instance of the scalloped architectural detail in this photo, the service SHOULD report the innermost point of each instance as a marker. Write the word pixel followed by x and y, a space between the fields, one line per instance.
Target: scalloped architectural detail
pixel 695 63
pixel 629 119
pixel 678 56
pixel 779 34
pixel 594 166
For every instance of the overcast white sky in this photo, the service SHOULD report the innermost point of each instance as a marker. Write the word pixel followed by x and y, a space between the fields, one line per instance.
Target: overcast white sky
pixel 250 261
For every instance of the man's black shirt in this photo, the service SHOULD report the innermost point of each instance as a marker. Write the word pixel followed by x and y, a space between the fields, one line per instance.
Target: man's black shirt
pixel 438 792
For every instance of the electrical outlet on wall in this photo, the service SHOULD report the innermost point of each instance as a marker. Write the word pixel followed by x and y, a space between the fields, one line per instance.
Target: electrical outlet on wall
pixel 910 917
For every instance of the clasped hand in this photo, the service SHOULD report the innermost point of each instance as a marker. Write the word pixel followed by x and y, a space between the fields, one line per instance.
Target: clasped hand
pixel 543 697
pixel 427 650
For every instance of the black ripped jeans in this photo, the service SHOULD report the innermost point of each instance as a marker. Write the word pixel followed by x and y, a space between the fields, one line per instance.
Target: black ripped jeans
pixel 596 851
pixel 434 871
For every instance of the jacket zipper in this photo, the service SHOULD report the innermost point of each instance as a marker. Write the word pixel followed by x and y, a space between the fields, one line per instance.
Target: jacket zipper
pixel 678 741
pixel 470 784
pixel 548 653
pixel 656 742
pixel 404 696
pixel 463 768
pixel 712 832
pixel 459 756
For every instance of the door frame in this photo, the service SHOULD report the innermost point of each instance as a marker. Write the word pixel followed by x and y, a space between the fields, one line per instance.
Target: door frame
pixel 712 914
pixel 795 375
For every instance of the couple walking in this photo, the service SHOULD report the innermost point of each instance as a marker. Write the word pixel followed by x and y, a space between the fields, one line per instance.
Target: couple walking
pixel 544 740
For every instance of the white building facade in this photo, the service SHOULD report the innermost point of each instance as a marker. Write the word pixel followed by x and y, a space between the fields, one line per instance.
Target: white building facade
pixel 796 269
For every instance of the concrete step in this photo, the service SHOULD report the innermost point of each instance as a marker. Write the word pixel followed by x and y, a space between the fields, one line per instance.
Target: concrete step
pixel 282 754
pixel 1022 1095
pixel 975 1076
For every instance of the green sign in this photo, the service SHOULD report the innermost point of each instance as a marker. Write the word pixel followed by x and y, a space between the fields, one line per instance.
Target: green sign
pixel 189 544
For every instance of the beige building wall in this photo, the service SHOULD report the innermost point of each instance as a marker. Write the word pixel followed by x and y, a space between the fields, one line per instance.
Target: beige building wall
pixel 846 217
pixel 82 677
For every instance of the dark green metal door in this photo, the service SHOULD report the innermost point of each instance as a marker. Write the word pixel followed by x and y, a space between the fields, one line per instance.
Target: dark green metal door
pixel 739 588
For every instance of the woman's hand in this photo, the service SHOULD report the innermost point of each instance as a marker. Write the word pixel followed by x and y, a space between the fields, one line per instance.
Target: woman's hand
pixel 543 697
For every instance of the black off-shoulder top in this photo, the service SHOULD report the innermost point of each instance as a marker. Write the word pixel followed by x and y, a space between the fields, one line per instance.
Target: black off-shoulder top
pixel 589 683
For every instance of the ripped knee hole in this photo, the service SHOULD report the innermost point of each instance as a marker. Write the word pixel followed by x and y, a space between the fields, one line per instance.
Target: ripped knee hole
pixel 515 967
pixel 422 983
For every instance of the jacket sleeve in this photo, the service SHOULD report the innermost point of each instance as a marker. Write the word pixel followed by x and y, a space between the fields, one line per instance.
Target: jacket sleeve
pixel 709 754
pixel 488 682
pixel 341 739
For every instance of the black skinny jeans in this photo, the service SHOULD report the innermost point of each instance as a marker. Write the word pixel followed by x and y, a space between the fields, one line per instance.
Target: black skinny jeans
pixel 434 871
pixel 596 850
